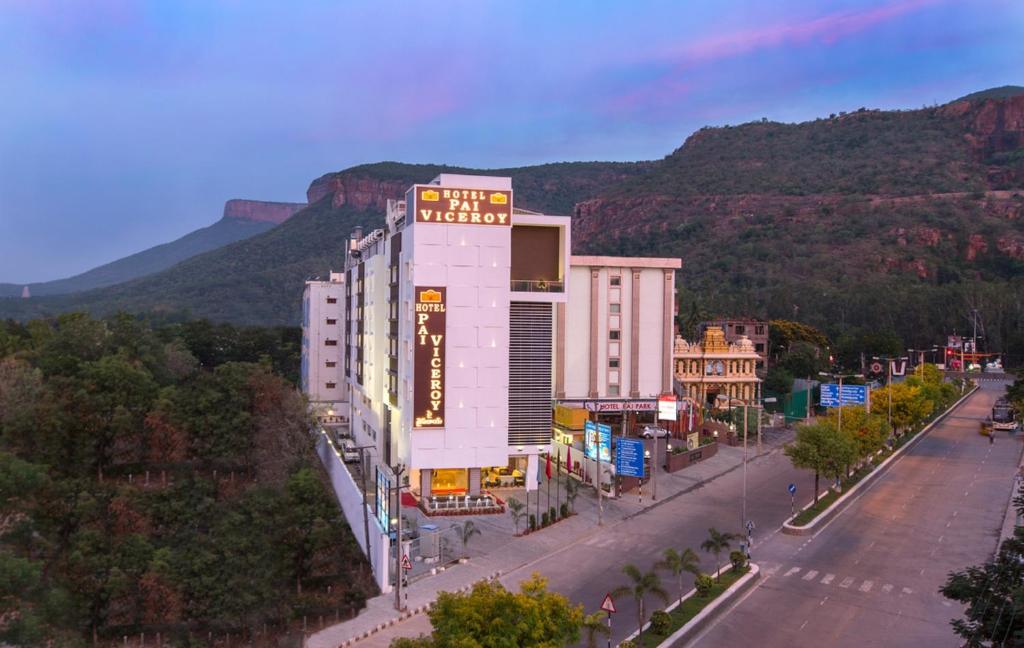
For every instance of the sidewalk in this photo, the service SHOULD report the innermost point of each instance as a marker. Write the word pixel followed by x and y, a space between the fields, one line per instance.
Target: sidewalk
pixel 498 553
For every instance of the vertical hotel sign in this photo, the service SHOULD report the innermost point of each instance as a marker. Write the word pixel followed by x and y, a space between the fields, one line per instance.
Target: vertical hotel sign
pixel 452 206
pixel 428 367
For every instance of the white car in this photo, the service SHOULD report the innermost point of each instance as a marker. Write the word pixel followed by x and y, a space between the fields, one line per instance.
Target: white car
pixel 349 454
pixel 651 432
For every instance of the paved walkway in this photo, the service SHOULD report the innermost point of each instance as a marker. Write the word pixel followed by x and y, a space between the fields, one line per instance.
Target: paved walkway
pixel 497 551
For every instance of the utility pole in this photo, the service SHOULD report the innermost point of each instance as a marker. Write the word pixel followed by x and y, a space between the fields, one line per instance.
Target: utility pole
pixel 597 482
pixel 744 464
pixel 366 519
pixel 399 550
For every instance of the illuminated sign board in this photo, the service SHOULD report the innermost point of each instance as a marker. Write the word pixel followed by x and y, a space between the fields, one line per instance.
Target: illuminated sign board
pixel 428 359
pixel 667 407
pixel 595 437
pixel 448 205
pixel 382 506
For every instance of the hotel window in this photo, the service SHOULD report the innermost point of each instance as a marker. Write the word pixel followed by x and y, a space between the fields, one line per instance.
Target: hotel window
pixel 330 343
pixel 759 329
pixel 613 363
pixel 331 385
pixel 614 308
pixel 331 322
pixel 740 329
pixel 613 390
pixel 613 335
pixel 332 363
pixel 332 300
pixel 615 281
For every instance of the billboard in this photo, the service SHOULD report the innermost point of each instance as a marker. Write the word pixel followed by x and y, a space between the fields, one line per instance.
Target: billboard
pixel 452 206
pixel 852 395
pixel 629 458
pixel 591 433
pixel 382 505
pixel 428 358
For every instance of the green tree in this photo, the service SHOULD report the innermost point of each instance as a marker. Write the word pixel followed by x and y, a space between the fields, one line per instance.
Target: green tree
pixel 516 511
pixel 641 585
pixel 820 448
pixel 867 431
pixel 466 531
pixel 910 407
pixel 718 542
pixel 595 625
pixel 490 615
pixel 678 563
pixel 572 491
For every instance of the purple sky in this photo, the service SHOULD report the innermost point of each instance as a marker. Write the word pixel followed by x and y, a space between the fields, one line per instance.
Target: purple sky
pixel 124 125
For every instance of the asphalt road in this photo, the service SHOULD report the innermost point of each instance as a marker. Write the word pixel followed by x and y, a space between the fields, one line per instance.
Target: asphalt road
pixel 871 576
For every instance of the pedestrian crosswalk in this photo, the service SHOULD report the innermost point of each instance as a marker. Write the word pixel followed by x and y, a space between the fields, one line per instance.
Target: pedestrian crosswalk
pixel 865 586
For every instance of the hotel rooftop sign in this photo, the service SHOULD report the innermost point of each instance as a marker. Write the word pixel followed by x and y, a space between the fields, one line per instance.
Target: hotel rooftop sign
pixel 453 206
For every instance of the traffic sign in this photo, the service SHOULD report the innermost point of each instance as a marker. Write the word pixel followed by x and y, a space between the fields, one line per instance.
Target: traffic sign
pixel 406 564
pixel 852 395
pixel 792 489
pixel 608 605
pixel 750 526
pixel 629 458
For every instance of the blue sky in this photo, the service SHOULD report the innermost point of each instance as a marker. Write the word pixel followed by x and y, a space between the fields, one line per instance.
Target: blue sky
pixel 127 124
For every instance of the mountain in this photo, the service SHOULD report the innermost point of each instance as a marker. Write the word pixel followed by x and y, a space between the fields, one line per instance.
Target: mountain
pixel 896 222
pixel 259 279
pixel 1002 92
pixel 241 219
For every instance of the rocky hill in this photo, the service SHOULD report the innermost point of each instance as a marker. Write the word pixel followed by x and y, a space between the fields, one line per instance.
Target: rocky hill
pixel 899 221
pixel 241 219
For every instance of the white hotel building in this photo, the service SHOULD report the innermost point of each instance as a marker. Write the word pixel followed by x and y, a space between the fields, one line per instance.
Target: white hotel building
pixel 465 318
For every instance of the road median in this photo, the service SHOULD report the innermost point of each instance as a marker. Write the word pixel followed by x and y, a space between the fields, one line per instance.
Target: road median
pixel 865 482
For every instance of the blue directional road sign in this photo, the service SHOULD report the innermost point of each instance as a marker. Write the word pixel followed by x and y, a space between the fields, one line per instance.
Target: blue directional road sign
pixel 852 395
pixel 629 458
pixel 792 489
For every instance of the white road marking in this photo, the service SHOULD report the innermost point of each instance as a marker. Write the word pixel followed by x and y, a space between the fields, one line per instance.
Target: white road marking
pixel 955 512
pixel 907 590
pixel 823 601
pixel 947 524
pixel 810 575
pixel 941 537
pixel 803 624
pixel 922 571
pixel 887 588
pixel 846 582
pixel 827 580
pixel 792 571
pixel 866 586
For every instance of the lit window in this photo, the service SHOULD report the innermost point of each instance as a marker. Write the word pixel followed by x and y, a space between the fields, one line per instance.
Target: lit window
pixel 613 335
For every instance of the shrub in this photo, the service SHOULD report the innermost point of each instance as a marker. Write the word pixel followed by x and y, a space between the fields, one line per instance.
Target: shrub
pixel 703 585
pixel 661 622
pixel 533 522
pixel 627 644
pixel 565 510
pixel 738 560
pixel 544 519
pixel 551 515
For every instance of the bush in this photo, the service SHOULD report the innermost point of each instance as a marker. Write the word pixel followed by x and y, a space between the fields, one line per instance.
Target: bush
pixel 661 622
pixel 703 585
pixel 544 519
pixel 551 515
pixel 533 522
pixel 738 560
pixel 627 644
pixel 565 510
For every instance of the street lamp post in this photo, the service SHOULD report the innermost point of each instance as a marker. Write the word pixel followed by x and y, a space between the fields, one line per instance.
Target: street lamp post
pixel 888 381
pixel 839 408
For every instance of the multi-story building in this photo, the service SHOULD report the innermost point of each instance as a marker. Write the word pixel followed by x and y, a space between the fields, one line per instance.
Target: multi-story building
pixel 323 322
pixel 754 330
pixel 449 333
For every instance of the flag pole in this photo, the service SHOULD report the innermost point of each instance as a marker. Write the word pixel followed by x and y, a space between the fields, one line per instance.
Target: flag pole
pixel 547 473
pixel 558 481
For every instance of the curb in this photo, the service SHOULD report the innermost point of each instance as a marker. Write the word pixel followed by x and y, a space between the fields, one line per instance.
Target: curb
pixel 843 500
pixel 710 612
pixel 408 614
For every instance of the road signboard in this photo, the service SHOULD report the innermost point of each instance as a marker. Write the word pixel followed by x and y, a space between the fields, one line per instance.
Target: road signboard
pixel 608 605
pixel 406 564
pixel 667 407
pixel 629 458
pixel 750 526
pixel 792 489
pixel 851 395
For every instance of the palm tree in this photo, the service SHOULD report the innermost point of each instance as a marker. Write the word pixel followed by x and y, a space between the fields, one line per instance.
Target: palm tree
pixel 466 532
pixel 644 583
pixel 679 563
pixel 716 543
pixel 515 509
pixel 593 625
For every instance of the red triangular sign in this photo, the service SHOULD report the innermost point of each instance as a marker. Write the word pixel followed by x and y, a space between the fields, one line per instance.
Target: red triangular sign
pixel 608 605
pixel 406 565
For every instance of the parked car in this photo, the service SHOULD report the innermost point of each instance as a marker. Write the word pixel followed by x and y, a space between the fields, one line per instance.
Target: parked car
pixel 651 432
pixel 349 454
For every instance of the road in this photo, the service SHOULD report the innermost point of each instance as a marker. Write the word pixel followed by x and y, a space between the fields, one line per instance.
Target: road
pixel 871 576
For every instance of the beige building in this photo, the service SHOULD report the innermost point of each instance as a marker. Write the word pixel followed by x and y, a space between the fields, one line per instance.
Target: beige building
pixel 713 371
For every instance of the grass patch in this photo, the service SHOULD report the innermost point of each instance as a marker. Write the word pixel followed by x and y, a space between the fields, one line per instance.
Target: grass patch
pixel 690 607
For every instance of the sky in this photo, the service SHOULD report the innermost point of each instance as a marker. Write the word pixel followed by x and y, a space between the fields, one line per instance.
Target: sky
pixel 124 125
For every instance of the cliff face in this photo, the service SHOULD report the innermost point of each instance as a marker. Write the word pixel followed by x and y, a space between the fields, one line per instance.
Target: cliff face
pixel 259 211
pixel 356 190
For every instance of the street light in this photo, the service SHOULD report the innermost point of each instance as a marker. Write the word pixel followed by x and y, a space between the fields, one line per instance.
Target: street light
pixel 839 427
pixel 888 381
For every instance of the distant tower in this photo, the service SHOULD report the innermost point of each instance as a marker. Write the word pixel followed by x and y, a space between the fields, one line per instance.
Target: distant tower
pixel 25 294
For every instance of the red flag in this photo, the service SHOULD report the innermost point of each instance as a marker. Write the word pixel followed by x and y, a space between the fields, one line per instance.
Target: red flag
pixel 547 468
pixel 568 459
